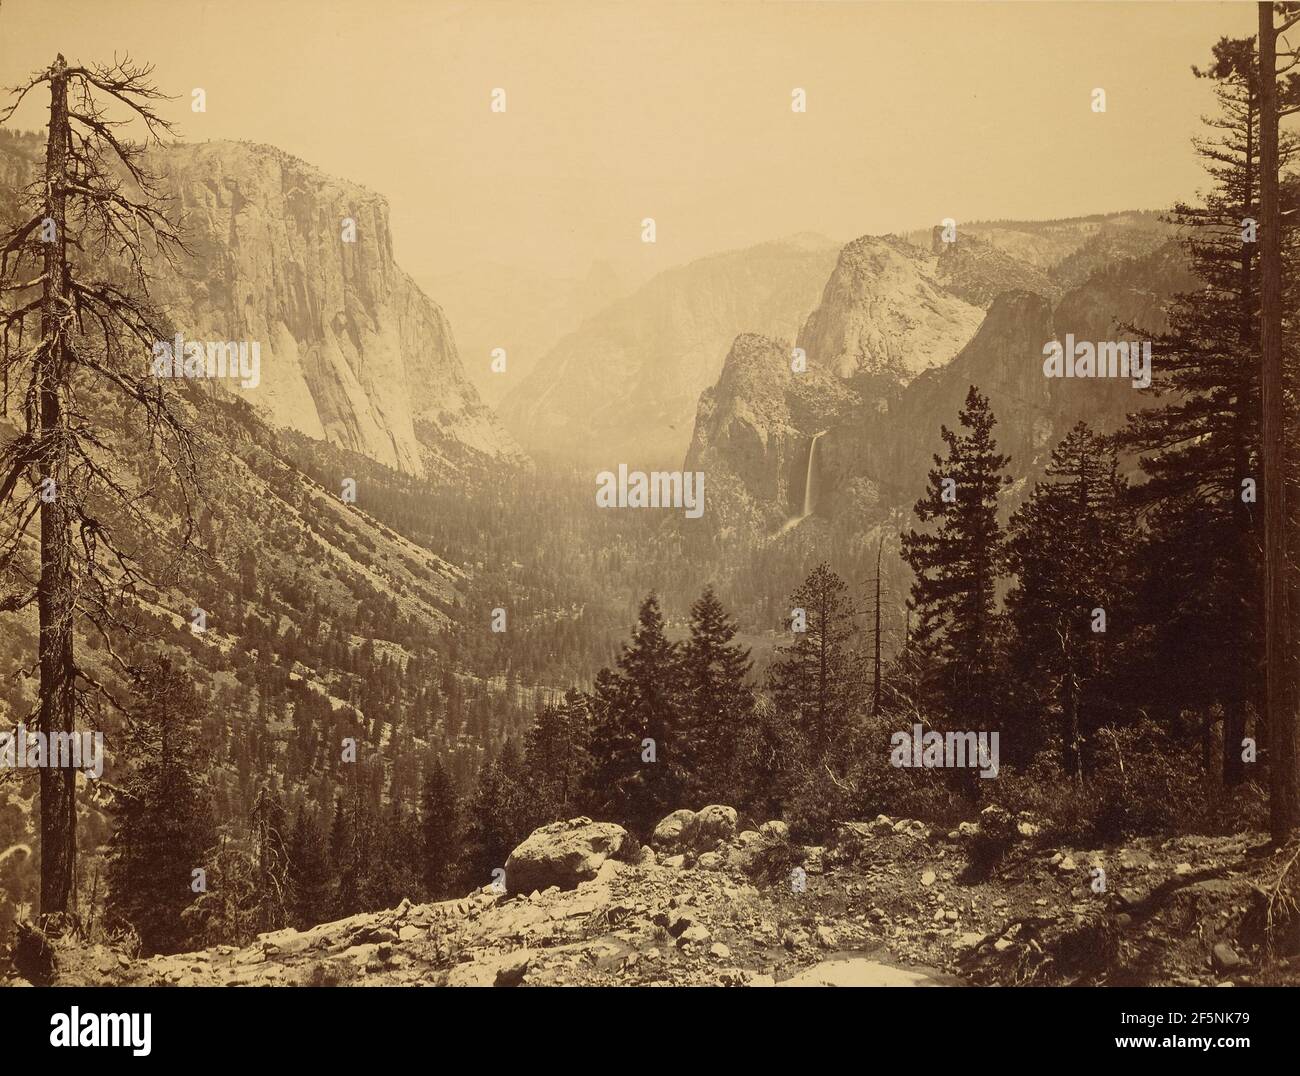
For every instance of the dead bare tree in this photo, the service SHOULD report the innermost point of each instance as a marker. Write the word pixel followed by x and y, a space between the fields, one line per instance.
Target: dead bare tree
pixel 76 333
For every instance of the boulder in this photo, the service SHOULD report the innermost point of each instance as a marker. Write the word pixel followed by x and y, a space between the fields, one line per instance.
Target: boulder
pixel 775 830
pixel 681 921
pixel 501 969
pixel 563 854
pixel 674 833
pixel 695 832
pixel 714 825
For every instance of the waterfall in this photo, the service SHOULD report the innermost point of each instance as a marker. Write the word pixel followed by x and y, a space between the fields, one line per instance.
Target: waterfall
pixel 808 478
pixel 794 521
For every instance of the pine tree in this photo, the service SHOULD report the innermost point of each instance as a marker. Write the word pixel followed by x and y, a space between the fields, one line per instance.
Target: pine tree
pixel 768 760
pixel 1201 444
pixel 164 827
pixel 1281 690
pixel 817 679
pixel 877 675
pixel 439 830
pixel 1067 545
pixel 718 701
pixel 556 757
pixel 311 880
pixel 956 566
pixel 394 872
pixel 638 772
pixel 501 815
pixel 339 838
pixel 355 840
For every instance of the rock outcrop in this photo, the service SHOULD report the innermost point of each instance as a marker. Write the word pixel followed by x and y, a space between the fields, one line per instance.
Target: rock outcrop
pixel 754 429
pixel 889 901
pixel 884 312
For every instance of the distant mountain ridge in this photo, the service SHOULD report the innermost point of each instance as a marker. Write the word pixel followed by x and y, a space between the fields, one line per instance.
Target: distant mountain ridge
pixel 623 386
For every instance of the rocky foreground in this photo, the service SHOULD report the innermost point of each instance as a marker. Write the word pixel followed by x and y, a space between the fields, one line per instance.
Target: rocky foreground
pixel 887 902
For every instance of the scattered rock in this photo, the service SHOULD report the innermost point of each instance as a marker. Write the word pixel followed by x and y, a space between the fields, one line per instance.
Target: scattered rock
pixel 695 934
pixel 1028 829
pixel 1224 958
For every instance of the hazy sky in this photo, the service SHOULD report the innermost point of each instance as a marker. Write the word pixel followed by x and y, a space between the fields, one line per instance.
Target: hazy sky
pixel 677 111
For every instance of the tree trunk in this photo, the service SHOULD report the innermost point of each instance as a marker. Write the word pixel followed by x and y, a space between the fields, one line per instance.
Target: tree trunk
pixel 55 599
pixel 1246 581
pixel 1277 652
pixel 875 681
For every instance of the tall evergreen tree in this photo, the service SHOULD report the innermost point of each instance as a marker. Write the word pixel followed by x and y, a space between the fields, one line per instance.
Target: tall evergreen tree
pixel 394 873
pixel 556 758
pixel 501 814
pixel 1281 690
pixel 271 841
pixel 1200 444
pixel 164 828
pixel 717 700
pixel 310 876
pixel 638 771
pixel 355 839
pixel 1068 545
pixel 439 830
pixel 75 338
pixel 957 566
pixel 818 678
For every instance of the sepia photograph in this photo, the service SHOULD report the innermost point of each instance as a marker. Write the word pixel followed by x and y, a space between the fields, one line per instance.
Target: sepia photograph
pixel 605 495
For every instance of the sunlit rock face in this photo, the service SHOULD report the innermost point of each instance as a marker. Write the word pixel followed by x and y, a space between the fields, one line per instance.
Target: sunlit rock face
pixel 301 262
